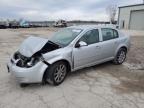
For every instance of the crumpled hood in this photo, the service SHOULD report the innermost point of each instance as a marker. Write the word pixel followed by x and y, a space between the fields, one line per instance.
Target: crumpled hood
pixel 32 45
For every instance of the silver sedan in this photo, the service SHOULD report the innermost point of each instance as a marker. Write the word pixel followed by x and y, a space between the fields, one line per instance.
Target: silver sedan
pixel 72 48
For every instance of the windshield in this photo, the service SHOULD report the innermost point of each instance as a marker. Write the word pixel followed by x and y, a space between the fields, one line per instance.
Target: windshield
pixel 65 36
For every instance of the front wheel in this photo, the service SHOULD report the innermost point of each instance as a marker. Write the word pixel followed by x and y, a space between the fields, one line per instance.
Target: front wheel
pixel 120 57
pixel 56 73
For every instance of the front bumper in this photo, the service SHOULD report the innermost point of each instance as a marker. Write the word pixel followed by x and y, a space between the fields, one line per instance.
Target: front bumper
pixel 28 75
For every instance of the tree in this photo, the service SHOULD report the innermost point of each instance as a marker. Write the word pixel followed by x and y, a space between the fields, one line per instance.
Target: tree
pixel 111 11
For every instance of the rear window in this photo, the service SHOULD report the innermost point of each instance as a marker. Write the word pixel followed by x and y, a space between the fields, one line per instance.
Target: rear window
pixel 108 34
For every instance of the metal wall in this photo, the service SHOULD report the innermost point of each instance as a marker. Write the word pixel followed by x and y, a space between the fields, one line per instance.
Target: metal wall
pixel 137 20
pixel 124 17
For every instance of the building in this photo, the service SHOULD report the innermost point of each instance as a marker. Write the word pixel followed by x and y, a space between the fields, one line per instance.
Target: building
pixel 131 17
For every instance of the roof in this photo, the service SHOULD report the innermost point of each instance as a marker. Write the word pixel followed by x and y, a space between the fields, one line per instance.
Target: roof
pixel 131 5
pixel 92 26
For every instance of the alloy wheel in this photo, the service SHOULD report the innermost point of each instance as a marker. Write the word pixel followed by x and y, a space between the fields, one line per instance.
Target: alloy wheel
pixel 122 56
pixel 59 73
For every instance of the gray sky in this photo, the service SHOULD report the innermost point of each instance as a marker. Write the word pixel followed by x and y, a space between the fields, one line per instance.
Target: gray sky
pixel 59 9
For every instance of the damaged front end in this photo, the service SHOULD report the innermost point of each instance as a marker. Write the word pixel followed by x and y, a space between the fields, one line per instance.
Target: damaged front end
pixel 23 61
pixel 31 50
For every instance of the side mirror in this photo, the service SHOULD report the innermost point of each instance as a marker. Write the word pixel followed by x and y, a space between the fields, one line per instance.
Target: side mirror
pixel 81 44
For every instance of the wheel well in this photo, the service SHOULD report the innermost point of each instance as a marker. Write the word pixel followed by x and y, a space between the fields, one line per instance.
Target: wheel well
pixel 123 47
pixel 67 64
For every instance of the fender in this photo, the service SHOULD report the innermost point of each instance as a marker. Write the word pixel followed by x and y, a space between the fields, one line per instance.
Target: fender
pixel 59 58
pixel 57 55
pixel 51 61
pixel 121 45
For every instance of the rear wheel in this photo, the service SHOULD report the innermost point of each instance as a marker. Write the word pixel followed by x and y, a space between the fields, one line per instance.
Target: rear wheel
pixel 120 57
pixel 56 73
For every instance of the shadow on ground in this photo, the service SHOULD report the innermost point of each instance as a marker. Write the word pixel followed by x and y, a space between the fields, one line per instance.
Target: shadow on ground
pixel 130 80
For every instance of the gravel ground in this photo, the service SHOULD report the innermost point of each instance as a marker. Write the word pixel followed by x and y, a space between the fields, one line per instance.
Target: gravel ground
pixel 101 86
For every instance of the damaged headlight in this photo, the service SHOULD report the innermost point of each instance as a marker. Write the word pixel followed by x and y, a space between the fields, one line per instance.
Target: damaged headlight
pixel 27 62
pixel 33 61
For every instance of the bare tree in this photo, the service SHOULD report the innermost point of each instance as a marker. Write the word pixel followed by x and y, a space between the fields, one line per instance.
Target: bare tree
pixel 111 11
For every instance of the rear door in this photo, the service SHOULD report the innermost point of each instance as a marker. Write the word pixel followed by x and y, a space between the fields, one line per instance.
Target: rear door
pixel 109 43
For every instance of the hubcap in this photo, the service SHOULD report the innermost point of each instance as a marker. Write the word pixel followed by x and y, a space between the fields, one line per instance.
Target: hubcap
pixel 59 73
pixel 121 56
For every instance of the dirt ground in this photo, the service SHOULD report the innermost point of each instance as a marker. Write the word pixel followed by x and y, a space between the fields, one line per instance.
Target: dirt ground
pixel 101 86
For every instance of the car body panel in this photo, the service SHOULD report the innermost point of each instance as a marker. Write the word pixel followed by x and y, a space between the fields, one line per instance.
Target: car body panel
pixel 31 45
pixel 59 54
pixel 28 75
pixel 86 55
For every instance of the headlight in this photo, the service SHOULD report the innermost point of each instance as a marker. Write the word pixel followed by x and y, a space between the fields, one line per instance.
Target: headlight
pixel 33 61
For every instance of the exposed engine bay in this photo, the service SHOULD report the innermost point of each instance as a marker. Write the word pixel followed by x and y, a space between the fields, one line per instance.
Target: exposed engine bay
pixel 23 61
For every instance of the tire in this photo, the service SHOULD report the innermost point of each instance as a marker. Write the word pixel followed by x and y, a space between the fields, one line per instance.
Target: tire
pixel 120 56
pixel 56 73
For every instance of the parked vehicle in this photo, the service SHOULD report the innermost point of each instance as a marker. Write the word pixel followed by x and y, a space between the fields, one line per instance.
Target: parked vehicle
pixel 70 49
pixel 3 24
pixel 14 24
pixel 24 24
pixel 60 23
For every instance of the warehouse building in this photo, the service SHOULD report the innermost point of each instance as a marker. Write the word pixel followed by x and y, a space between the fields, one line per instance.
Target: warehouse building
pixel 131 17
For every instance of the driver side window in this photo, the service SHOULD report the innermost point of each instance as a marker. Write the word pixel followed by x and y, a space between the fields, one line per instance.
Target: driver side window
pixel 90 37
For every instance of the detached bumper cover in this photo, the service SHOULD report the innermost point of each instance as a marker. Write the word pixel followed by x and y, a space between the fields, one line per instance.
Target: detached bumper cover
pixel 28 75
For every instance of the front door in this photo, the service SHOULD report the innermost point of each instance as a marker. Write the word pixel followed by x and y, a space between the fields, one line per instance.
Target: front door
pixel 87 55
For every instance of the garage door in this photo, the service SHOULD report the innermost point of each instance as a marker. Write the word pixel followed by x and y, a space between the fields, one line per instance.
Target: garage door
pixel 137 20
